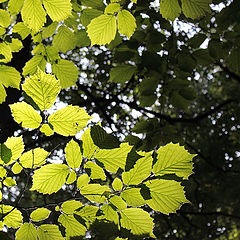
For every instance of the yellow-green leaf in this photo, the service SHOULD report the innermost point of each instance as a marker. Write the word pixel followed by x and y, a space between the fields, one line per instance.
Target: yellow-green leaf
pixel 16 168
pixel 195 8
pixel 40 214
pixel 49 231
pixel 133 197
pixel 9 182
pixel 118 202
pixel 3 93
pixel 69 120
pixel 69 207
pixel 58 9
pixel 126 23
pixel 25 115
pixel 95 192
pixel 113 159
pixel 170 9
pixel 73 154
pixel 173 159
pixel 4 18
pixel 71 177
pixel 102 30
pixel 137 221
pixel 109 214
pixel 95 171
pixel 166 195
pixel 15 45
pixel 112 8
pixel 42 88
pixel 9 76
pixel 140 171
pixel 46 129
pixel 83 180
pixel 34 158
pixel 117 184
pixel 33 14
pixel 27 232
pixel 72 226
pixel 6 51
pixel 21 29
pixel 50 178
pixel 13 219
pixel 64 40
pixel 66 72
pixel 3 172
pixel 32 65
pixel 15 6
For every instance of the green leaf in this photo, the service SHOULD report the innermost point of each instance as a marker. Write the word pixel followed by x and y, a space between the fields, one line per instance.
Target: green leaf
pixel 88 213
pixel 46 129
pixel 195 8
pixel 170 9
pixel 112 8
pixel 49 30
pixel 34 158
pixel 102 30
pixel 3 172
pixel 25 115
pixel 122 73
pixel 83 180
pixel 58 9
pixel 69 120
pixel 21 29
pixel 113 159
pixel 133 197
pixel 109 214
pixel 166 195
pixel 93 4
pixel 95 192
pixel 71 177
pixel 15 45
pixel 9 76
pixel 49 231
pixel 73 154
pixel 16 168
pixel 33 14
pixel 118 202
pixel 15 144
pixel 14 217
pixel 102 139
pixel 72 226
pixel 6 51
pixel 137 221
pixel 173 159
pixel 40 214
pixel 66 72
pixel 117 184
pixel 50 178
pixel 88 14
pixel 9 182
pixel 15 6
pixel 69 207
pixel 96 172
pixel 140 171
pixel 3 93
pixel 126 23
pixel 82 39
pixel 89 148
pixel 32 65
pixel 64 40
pixel 27 232
pixel 4 18
pixel 42 88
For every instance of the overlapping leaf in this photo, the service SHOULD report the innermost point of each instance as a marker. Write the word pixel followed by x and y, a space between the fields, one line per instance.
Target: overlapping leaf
pixel 27 232
pixel 49 231
pixel 170 9
pixel 13 217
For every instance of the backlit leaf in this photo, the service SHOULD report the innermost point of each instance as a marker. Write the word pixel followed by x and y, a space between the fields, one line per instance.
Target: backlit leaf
pixel 126 23
pixel 42 88
pixel 71 177
pixel 83 180
pixel 46 129
pixel 16 168
pixel 113 159
pixel 9 182
pixel 133 197
pixel 33 14
pixel 96 172
pixel 4 18
pixel 137 221
pixel 21 29
pixel 109 214
pixel 40 214
pixel 173 159
pixel 140 171
pixel 50 178
pixel 166 195
pixel 27 232
pixel 34 158
pixel 118 202
pixel 73 154
pixel 32 65
pixel 9 76
pixel 112 8
pixel 3 93
pixel 69 207
pixel 102 30
pixel 15 6
pixel 25 115
pixel 170 9
pixel 58 9
pixel 49 231
pixel 66 72
pixel 88 14
pixel 117 184
pixel 13 219
pixel 69 120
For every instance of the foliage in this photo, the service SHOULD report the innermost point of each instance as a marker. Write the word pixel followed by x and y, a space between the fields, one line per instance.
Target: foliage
pixel 58 183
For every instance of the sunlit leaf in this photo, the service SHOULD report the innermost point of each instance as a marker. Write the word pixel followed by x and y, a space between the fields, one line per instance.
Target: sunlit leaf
pixel 69 207
pixel 83 180
pixel 46 129
pixel 9 76
pixel 95 171
pixel 33 64
pixel 117 184
pixel 15 6
pixel 49 231
pixel 71 177
pixel 170 9
pixel 27 232
pixel 118 202
pixel 133 197
pixel 4 18
pixel 13 217
pixel 112 8
pixel 40 214
pixel 73 154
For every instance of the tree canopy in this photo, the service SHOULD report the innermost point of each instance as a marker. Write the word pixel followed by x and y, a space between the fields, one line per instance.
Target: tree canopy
pixel 119 119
